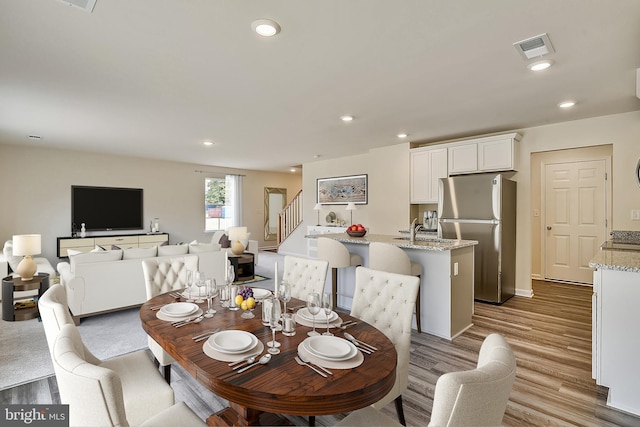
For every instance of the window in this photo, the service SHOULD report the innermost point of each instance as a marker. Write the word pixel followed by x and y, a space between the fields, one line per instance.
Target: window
pixel 223 206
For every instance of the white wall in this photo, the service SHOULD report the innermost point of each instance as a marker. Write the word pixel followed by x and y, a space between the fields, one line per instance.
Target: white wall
pixel 388 170
pixel 36 190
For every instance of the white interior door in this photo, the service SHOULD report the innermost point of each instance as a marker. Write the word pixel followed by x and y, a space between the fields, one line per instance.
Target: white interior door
pixel 575 218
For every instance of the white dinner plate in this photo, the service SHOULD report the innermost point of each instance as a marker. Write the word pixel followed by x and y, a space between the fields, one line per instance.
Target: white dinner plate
pixel 320 317
pixel 330 348
pixel 179 309
pixel 259 293
pixel 232 341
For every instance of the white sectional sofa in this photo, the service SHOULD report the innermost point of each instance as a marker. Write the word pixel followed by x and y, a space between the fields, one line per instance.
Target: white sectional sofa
pixel 103 281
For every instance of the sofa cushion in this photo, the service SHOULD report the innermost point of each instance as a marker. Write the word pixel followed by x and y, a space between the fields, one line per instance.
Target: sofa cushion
pixel 196 248
pixel 98 248
pixel 137 253
pixel 105 256
pixel 170 250
pixel 73 252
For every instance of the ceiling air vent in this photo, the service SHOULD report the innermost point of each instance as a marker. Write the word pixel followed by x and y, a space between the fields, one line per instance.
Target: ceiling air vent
pixel 86 5
pixel 534 47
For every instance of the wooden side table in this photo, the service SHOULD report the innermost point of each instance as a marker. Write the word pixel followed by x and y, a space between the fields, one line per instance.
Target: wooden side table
pixel 243 266
pixel 10 285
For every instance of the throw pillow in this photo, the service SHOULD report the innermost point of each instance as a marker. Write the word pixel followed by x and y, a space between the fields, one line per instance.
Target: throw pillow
pixel 224 241
pixel 173 250
pixel 7 251
pixel 97 249
pixel 138 253
pixel 115 248
pixel 203 247
pixel 72 252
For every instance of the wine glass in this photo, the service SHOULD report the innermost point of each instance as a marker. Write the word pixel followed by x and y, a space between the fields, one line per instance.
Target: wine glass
pixel 211 293
pixel 313 305
pixel 189 283
pixel 284 293
pixel 326 306
pixel 199 279
pixel 274 318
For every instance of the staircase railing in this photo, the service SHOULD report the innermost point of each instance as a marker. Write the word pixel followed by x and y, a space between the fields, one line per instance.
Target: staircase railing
pixel 290 218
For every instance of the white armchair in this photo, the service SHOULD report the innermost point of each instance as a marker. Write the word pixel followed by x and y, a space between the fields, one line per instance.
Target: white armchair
pixel 113 394
pixel 144 391
pixel 162 276
pixel 477 397
pixel 304 275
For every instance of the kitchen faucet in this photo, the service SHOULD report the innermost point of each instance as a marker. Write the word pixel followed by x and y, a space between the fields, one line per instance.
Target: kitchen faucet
pixel 413 228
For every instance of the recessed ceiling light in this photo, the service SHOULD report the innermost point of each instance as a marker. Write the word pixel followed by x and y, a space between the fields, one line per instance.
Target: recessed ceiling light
pixel 265 27
pixel 208 143
pixel 402 135
pixel 540 65
pixel 346 118
pixel 316 156
pixel 292 170
pixel 567 104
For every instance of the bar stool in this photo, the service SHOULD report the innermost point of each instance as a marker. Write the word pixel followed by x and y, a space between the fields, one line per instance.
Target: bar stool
pixel 338 256
pixel 392 259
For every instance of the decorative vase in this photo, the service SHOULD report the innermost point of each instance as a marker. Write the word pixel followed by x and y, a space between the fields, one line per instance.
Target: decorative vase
pixel 83 230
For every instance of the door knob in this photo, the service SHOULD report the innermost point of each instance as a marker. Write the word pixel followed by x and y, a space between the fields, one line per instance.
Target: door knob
pixel 548 227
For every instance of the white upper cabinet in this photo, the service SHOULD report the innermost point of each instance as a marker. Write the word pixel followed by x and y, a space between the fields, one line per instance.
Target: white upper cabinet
pixel 489 154
pixel 428 165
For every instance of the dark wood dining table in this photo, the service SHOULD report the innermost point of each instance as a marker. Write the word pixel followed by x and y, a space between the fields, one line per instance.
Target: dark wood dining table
pixel 261 394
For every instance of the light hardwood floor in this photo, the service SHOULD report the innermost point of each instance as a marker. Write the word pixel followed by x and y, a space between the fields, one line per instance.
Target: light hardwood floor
pixel 550 334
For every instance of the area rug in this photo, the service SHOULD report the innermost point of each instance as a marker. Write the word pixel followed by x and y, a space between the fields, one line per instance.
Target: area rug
pixel 25 355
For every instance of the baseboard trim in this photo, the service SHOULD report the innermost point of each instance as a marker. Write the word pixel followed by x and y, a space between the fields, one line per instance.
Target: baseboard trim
pixel 528 293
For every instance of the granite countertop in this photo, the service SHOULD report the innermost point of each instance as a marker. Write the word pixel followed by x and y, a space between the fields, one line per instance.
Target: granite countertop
pixel 616 260
pixel 421 243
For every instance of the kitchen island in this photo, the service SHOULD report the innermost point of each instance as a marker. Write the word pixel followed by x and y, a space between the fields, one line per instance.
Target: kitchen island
pixel 446 285
pixel 615 315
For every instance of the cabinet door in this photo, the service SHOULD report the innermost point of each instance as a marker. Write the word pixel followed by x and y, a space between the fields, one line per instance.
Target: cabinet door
pixel 438 169
pixel 427 167
pixel 496 155
pixel 463 159
pixel 420 162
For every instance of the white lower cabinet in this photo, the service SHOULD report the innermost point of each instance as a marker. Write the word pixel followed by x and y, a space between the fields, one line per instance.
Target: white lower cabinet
pixel 616 342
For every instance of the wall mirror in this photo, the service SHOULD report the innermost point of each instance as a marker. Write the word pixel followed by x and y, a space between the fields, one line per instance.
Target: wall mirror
pixel 275 200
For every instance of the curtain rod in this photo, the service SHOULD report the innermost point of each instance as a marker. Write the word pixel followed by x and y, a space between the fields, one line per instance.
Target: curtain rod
pixel 232 174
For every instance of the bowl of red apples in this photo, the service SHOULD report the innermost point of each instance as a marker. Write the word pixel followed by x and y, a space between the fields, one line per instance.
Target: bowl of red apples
pixel 356 230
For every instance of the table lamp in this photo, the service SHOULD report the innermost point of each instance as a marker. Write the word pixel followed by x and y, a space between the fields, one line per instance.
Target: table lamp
pixel 27 245
pixel 351 207
pixel 238 238
pixel 317 209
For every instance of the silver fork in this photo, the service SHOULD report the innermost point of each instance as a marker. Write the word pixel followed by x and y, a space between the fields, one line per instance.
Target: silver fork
pixel 187 321
pixel 300 362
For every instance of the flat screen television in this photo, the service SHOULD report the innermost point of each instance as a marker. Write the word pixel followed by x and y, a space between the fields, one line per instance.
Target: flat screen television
pixel 106 208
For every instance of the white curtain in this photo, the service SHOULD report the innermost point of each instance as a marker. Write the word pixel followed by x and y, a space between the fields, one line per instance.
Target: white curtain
pixel 234 185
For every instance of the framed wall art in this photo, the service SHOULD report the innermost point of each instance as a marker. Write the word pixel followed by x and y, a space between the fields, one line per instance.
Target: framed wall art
pixel 342 190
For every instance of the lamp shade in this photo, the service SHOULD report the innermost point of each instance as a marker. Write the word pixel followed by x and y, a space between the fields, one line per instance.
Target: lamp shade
pixel 27 244
pixel 317 207
pixel 237 233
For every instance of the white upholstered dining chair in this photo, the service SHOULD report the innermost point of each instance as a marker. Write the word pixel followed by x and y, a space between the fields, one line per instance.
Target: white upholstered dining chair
pixel 162 276
pixel 114 393
pixel 386 300
pixel 304 275
pixel 477 397
pixel 338 256
pixel 143 389
pixel 392 259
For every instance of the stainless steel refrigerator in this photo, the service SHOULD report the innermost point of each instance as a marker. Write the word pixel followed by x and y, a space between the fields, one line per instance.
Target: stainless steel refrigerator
pixel 482 207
